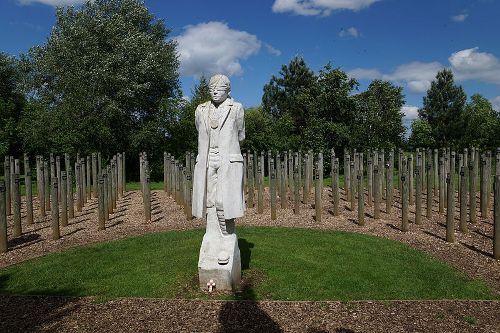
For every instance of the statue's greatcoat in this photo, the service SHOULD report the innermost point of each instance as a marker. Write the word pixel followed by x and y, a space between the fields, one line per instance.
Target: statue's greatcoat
pixel 230 175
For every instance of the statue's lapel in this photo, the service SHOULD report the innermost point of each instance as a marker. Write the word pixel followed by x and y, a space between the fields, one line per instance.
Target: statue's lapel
pixel 227 109
pixel 206 110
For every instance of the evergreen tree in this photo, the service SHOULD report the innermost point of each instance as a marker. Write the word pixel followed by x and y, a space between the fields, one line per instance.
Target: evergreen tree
pixel 443 109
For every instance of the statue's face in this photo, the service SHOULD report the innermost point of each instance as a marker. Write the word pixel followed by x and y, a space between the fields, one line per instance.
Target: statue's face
pixel 219 93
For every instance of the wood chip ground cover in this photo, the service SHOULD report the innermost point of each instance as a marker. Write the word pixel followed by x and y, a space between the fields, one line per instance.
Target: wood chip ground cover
pixel 471 254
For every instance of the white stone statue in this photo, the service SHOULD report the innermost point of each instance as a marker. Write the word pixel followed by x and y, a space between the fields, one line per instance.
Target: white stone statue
pixel 218 184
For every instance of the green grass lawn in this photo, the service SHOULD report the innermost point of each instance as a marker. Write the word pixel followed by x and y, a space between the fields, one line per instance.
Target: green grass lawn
pixel 278 263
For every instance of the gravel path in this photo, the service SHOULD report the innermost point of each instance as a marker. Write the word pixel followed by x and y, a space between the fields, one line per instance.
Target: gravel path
pixel 472 254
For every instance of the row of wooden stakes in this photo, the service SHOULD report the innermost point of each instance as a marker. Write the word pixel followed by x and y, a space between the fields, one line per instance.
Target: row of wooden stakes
pixel 431 172
pixel 58 192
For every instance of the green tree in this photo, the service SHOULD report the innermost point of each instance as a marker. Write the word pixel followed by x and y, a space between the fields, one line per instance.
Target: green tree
pixel 443 108
pixel 11 105
pixel 379 117
pixel 421 135
pixel 311 111
pixel 482 123
pixel 260 131
pixel 181 129
pixel 101 80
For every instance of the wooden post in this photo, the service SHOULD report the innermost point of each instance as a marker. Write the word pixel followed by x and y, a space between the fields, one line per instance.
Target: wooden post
pixel 388 185
pixel 124 177
pixel 165 171
pixel 283 198
pixel 94 175
pixel 269 158
pixel 436 169
pixel 361 198
pixel 189 196
pixel 472 191
pixel 411 182
pixel 147 197
pixel 39 185
pixel 291 182
pixel 250 182
pixel 382 172
pixel 260 188
pixel 429 188
pixel 347 175
pixel 83 187
pixel 58 175
pixel 318 198
pixel 400 171
pixel 352 182
pixel 272 185
pixel 369 175
pixel 12 173
pixel 106 194
pixel 3 219
pixel 69 192
pixel 307 189
pixel 8 190
pixel 113 183
pixel 17 231
pixel 376 181
pixel 463 200
pixel 354 177
pixel 450 210
pixel 497 162
pixel 418 193
pixel 56 234
pixel 78 192
pixel 488 182
pixel 441 185
pixel 496 218
pixel 29 197
pixel 335 187
pixel 296 187
pixel 47 185
pixel 64 199
pixel 404 196
pixel 101 204
pixel 110 190
pixel 483 196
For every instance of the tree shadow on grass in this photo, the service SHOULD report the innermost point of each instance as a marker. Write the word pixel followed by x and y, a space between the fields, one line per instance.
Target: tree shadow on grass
pixel 25 313
pixel 246 315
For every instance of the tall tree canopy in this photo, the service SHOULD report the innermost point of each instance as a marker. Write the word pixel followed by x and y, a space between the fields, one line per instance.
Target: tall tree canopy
pixel 379 120
pixel 443 108
pixel 100 80
pixel 11 105
pixel 482 123
pixel 320 111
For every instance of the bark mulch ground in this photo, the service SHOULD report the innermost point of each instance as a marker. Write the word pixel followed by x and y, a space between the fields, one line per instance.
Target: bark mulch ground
pixel 472 254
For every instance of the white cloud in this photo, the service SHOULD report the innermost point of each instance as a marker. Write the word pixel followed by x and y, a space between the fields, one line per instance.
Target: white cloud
pixel 213 47
pixel 416 75
pixel 459 18
pixel 365 73
pixel 349 32
pixel 410 112
pixel 318 7
pixel 54 3
pixel 470 64
pixel 496 103
pixel 272 50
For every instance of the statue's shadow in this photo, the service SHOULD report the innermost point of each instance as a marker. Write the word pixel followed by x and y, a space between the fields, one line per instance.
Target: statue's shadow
pixel 245 253
pixel 245 314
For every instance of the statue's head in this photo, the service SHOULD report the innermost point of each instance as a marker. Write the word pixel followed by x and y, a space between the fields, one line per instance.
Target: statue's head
pixel 219 87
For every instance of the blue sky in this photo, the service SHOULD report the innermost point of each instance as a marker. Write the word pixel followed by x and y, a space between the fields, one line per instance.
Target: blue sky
pixel 403 41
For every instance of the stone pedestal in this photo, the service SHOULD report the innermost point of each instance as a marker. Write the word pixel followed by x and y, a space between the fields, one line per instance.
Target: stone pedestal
pixel 220 259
